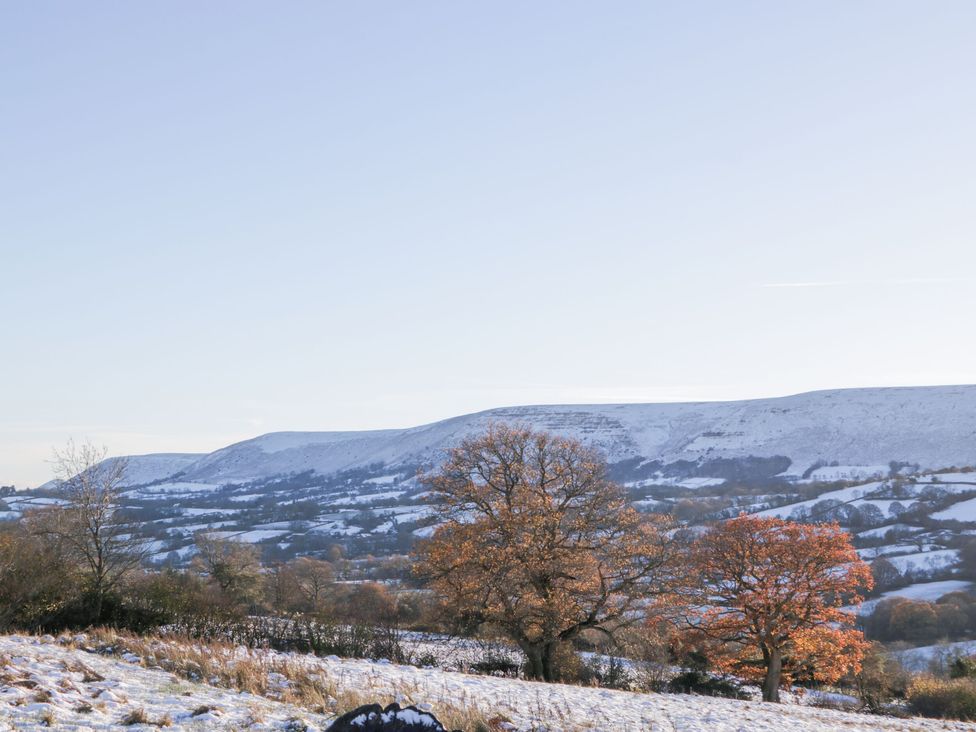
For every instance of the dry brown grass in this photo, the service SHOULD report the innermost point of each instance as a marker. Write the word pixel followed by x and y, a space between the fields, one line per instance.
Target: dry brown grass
pixel 89 676
pixel 136 716
pixel 284 679
pixel 139 716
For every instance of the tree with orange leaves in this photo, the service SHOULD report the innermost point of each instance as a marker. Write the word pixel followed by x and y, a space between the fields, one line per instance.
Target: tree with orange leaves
pixel 535 540
pixel 766 598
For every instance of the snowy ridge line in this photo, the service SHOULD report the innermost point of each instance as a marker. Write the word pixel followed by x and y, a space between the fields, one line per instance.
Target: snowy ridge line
pixel 932 427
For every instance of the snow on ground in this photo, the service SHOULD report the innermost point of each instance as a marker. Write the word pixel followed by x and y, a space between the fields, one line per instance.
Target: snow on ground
pixel 40 678
pixel 700 482
pixel 924 658
pixel 366 498
pixel 127 685
pixel 183 553
pixel 193 528
pixel 383 479
pixel 880 531
pixel 253 537
pixel 207 511
pixel 175 488
pixel 22 504
pixel 925 560
pixel 962 511
pixel 692 483
pixel 843 494
pixel 930 591
pixel 410 513
pixel 888 549
pixel 848 472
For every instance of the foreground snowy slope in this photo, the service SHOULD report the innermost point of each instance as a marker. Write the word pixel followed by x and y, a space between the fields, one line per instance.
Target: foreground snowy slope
pixel 43 684
pixel 44 680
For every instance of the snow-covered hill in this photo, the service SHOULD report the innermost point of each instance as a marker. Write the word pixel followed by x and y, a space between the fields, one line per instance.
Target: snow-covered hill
pixel 859 430
pixel 142 469
pixel 894 466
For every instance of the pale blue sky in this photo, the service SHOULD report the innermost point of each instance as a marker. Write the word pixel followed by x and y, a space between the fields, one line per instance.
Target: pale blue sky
pixel 226 218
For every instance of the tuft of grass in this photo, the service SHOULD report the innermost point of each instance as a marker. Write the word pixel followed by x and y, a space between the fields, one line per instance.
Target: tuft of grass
pixel 88 675
pixel 136 716
pixel 139 716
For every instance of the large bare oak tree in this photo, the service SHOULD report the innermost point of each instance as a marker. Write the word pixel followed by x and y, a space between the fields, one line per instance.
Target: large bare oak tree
pixel 534 539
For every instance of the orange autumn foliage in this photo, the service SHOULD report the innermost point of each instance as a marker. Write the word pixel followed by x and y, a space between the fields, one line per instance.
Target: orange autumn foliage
pixel 536 541
pixel 767 597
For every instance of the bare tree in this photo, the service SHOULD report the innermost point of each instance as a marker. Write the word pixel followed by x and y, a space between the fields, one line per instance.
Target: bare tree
pixel 89 528
pixel 314 577
pixel 536 540
pixel 234 567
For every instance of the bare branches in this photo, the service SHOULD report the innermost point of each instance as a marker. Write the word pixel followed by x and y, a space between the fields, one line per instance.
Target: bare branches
pixel 89 527
pixel 535 539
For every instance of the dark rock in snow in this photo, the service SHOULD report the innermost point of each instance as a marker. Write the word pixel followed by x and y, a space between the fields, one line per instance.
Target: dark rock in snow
pixel 373 718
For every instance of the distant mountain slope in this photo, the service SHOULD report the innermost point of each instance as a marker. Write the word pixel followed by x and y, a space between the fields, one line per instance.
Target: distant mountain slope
pixel 821 455
pixel 932 427
pixel 142 469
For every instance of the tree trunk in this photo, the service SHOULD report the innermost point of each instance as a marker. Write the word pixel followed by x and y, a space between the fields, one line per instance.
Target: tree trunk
pixel 535 667
pixel 97 601
pixel 774 670
pixel 547 669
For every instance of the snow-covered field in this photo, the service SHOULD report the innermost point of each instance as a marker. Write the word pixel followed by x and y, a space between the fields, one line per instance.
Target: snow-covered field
pixel 79 690
pixel 963 511
pixel 929 560
pixel 924 658
pixel 929 591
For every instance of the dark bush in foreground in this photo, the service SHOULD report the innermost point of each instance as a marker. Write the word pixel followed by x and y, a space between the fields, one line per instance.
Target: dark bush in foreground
pixel 951 699
pixel 374 718
pixel 698 682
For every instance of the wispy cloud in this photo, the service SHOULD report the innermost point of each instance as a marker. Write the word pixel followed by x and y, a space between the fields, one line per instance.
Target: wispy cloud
pixel 809 284
pixel 871 283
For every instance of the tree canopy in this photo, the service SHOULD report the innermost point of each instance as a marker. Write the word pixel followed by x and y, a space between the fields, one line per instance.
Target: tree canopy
pixel 535 540
pixel 766 598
